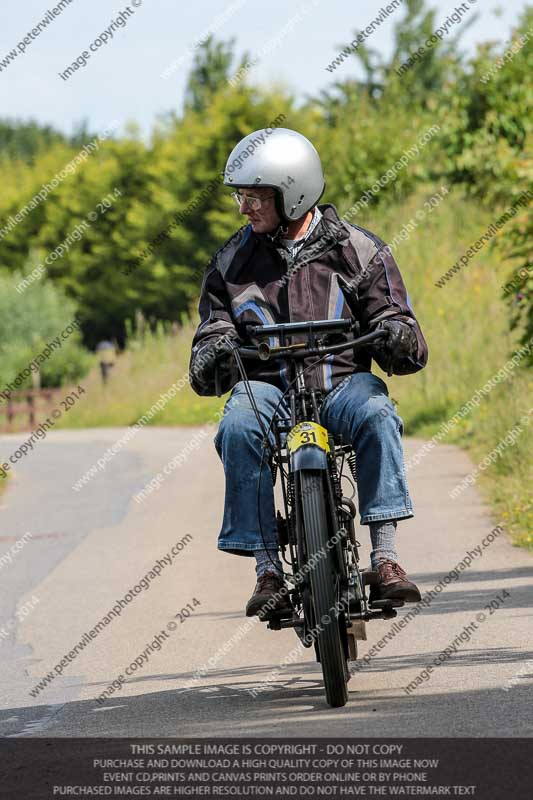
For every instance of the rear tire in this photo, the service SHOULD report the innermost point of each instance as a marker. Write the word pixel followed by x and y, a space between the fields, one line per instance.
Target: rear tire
pixel 324 580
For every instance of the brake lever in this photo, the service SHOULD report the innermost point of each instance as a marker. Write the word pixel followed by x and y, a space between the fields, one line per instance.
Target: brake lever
pixel 218 382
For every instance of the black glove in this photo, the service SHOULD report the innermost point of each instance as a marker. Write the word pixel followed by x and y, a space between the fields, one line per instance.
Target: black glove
pixel 216 353
pixel 392 351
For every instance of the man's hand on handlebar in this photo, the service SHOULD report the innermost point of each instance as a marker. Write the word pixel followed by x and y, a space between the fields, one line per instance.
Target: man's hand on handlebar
pixel 218 352
pixel 400 344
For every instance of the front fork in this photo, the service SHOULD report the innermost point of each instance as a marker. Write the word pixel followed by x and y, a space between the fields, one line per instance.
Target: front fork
pixel 310 447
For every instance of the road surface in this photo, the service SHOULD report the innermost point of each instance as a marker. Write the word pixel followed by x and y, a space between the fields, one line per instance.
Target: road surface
pixel 89 548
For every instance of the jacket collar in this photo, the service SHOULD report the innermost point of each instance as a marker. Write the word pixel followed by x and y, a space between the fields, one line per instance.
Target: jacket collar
pixel 336 224
pixel 329 231
pixel 329 224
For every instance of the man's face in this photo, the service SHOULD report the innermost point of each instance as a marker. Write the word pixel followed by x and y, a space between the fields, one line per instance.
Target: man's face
pixel 264 219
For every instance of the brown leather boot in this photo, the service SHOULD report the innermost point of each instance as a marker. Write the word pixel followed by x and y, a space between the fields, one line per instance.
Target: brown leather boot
pixel 394 584
pixel 269 587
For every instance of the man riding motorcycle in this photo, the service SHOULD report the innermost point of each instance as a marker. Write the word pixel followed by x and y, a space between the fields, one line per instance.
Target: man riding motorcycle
pixel 296 261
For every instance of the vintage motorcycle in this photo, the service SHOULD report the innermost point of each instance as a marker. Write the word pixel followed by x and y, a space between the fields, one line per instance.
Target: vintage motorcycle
pixel 316 524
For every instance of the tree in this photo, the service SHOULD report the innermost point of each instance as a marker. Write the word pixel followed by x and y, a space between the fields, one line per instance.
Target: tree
pixel 423 69
pixel 210 72
pixel 27 140
pixel 31 319
pixel 24 140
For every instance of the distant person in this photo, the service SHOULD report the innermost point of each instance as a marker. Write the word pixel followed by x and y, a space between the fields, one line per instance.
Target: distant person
pixel 106 354
pixel 297 261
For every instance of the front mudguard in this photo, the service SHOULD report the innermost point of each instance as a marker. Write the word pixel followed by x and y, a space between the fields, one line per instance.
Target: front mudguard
pixel 308 456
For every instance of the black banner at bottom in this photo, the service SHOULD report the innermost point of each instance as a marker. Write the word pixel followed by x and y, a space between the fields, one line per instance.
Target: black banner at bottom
pixel 486 769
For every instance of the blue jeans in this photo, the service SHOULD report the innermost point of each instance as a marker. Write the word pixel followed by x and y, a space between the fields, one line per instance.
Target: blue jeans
pixel 358 408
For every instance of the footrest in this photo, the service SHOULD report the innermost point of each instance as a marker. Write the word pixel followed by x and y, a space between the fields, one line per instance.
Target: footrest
pixel 357 629
pixel 380 604
pixel 276 616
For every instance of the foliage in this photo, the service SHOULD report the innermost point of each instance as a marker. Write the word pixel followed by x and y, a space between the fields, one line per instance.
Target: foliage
pixel 27 140
pixel 114 270
pixel 212 66
pixel 28 322
pixel 517 246
pixel 495 156
pixel 491 105
pixel 426 74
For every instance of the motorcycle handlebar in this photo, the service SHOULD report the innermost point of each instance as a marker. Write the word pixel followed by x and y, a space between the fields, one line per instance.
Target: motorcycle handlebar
pixel 313 326
pixel 264 352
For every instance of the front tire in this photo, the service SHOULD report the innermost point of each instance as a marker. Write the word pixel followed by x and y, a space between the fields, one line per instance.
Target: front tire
pixel 323 578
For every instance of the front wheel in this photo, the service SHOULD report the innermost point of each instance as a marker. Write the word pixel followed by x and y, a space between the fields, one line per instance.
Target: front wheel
pixel 324 580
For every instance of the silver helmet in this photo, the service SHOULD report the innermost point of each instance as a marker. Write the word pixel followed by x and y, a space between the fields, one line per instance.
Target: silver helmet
pixel 280 159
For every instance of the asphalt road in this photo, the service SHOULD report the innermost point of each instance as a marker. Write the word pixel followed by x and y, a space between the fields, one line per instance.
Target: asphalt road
pixel 89 548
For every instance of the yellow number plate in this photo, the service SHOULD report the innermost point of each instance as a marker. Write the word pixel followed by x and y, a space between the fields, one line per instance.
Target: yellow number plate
pixel 307 433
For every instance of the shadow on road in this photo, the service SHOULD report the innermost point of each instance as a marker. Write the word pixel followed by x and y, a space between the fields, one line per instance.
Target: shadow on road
pixel 455 598
pixel 292 705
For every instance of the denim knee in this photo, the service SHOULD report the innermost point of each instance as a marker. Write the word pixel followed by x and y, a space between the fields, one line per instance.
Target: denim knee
pixel 234 430
pixel 378 410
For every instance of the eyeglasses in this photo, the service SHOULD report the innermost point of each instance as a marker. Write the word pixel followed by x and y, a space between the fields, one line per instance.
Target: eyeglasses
pixel 254 203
